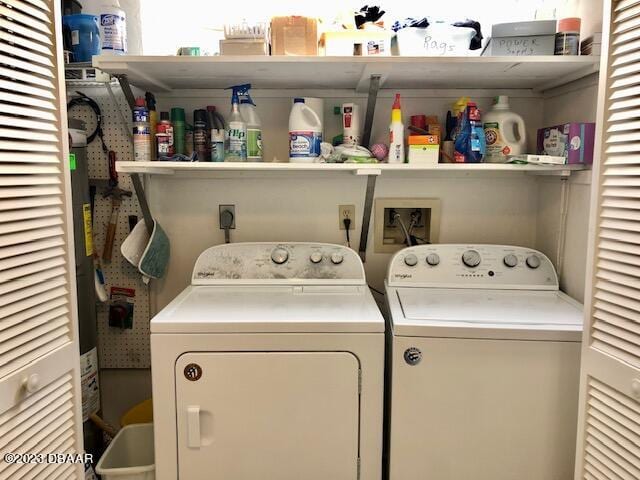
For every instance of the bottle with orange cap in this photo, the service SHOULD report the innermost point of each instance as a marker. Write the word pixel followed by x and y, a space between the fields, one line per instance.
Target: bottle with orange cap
pixel 568 36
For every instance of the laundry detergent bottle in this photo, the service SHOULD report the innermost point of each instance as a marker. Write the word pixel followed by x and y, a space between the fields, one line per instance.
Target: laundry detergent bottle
pixel 504 132
pixel 305 133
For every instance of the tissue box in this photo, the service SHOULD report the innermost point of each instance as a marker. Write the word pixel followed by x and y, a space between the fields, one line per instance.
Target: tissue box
pixel 294 36
pixel 366 43
pixel 573 141
pixel 424 149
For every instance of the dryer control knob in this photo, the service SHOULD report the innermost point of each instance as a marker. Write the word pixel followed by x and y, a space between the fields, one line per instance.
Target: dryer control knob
pixel 315 257
pixel 510 260
pixel 471 258
pixel 336 258
pixel 279 256
pixel 411 260
pixel 433 259
pixel 533 261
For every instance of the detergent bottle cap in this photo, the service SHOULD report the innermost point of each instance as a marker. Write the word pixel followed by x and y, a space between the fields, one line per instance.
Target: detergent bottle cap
pixel 396 112
pixel 501 102
pixel 298 100
pixel 396 102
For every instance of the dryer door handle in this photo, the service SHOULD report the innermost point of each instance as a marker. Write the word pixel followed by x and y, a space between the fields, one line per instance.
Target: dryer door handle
pixel 193 426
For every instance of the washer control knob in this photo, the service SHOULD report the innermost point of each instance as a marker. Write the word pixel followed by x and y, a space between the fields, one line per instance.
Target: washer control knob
pixel 315 257
pixel 433 259
pixel 279 256
pixel 533 261
pixel 411 260
pixel 336 258
pixel 510 260
pixel 471 258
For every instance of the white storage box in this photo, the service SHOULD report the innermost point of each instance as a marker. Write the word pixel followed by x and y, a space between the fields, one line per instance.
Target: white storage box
pixel 130 455
pixel 366 43
pixel 437 40
pixel 518 39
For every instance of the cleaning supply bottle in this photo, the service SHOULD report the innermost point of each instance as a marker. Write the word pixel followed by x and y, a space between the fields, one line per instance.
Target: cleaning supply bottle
pixel 470 143
pixel 153 122
pixel 254 126
pixel 141 132
pixel 236 135
pixel 201 135
pixel 164 137
pixel 216 134
pixel 504 131
pixel 113 28
pixel 178 122
pixel 305 133
pixel 396 133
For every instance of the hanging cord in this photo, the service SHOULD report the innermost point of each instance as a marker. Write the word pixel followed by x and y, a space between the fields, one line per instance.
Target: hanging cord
pixel 82 99
pixel 407 237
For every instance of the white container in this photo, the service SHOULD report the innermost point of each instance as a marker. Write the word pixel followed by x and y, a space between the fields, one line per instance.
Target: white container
pixel 396 134
pixel 305 133
pixel 438 39
pixel 130 455
pixel 350 124
pixel 113 28
pixel 504 132
pixel 365 43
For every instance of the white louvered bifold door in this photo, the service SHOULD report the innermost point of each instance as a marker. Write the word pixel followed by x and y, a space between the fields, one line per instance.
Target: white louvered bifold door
pixel 39 360
pixel 609 426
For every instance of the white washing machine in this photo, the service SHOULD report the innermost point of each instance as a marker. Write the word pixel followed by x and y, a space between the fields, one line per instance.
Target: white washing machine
pixel 270 366
pixel 484 364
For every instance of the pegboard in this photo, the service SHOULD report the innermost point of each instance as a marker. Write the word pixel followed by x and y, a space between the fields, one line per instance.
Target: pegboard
pixel 117 348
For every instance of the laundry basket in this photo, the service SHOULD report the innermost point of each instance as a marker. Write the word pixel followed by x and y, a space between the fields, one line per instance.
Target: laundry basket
pixel 130 455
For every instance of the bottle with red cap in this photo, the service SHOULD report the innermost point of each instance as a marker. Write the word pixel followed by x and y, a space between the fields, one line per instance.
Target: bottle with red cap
pixel 396 133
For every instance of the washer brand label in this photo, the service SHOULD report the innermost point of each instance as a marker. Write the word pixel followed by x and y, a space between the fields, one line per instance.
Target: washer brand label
pixel 402 275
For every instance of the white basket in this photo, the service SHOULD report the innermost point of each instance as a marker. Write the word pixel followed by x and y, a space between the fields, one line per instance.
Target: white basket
pixel 130 455
pixel 437 40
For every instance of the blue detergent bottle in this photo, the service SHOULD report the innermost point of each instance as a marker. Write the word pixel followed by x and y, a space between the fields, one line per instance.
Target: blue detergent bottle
pixel 470 140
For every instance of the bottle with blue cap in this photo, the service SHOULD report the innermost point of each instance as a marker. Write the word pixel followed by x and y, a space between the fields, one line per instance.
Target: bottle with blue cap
pixel 305 133
pixel 236 134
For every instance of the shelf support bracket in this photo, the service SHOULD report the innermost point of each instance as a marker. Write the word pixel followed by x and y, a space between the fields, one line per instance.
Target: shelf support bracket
pixel 123 122
pixel 126 90
pixel 374 86
pixel 366 214
pixel 142 200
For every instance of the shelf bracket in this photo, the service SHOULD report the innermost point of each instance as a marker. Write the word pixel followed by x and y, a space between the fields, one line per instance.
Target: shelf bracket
pixel 142 200
pixel 366 215
pixel 126 90
pixel 123 122
pixel 374 86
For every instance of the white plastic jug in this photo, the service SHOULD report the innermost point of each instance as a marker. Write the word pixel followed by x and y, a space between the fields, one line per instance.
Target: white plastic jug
pixel 305 133
pixel 504 132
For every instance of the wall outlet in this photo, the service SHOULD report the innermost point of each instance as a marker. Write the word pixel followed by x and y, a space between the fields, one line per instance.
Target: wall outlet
pixel 223 210
pixel 419 216
pixel 347 211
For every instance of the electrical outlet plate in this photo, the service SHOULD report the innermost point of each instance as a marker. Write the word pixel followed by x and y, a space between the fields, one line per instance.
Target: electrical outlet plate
pixel 388 234
pixel 347 211
pixel 232 209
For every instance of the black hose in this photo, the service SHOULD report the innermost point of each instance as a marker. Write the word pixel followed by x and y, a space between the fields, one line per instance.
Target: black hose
pixel 82 99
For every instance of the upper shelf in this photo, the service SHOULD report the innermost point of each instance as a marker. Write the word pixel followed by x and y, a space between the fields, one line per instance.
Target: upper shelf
pixel 226 169
pixel 159 73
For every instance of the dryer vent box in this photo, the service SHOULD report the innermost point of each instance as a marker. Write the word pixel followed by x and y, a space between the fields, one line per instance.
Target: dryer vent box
pixel 420 217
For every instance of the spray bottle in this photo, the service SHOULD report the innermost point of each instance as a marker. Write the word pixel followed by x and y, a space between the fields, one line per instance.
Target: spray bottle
pixel 396 133
pixel 254 127
pixel 236 140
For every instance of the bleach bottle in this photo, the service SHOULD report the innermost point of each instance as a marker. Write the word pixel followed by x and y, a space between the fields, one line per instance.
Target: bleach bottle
pixel 504 132
pixel 305 133
pixel 236 134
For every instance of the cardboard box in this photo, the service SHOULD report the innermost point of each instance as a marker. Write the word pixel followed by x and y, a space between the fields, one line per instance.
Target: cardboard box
pixel 365 43
pixel 244 47
pixel 294 36
pixel 573 141
pixel 424 149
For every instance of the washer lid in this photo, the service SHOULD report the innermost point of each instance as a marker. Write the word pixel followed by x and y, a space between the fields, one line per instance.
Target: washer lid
pixel 497 309
pixel 265 309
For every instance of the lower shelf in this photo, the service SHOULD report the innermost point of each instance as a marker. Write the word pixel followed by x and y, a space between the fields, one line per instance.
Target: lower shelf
pixel 211 169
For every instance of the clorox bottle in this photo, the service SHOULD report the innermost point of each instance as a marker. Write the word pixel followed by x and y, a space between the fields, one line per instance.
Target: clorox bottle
pixel 305 133
pixel 504 132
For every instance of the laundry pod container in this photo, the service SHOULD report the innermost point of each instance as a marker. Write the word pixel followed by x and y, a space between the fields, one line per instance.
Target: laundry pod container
pixel 130 455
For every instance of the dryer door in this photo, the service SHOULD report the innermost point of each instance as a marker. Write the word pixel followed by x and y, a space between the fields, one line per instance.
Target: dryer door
pixel 271 415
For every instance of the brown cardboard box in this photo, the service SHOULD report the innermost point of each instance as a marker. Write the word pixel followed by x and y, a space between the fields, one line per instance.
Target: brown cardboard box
pixel 294 36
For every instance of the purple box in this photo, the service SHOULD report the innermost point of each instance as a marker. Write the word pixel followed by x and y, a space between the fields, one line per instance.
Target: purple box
pixel 573 141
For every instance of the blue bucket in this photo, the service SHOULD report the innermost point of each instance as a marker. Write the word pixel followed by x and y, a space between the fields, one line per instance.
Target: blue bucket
pixel 82 36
